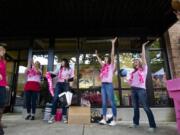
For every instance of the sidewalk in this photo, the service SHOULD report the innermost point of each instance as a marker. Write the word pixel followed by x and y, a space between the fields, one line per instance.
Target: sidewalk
pixel 16 125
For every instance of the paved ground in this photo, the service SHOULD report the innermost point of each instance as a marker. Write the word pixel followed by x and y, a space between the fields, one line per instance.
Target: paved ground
pixel 18 126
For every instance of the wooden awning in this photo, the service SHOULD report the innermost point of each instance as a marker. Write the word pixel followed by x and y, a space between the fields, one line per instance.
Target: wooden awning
pixel 85 18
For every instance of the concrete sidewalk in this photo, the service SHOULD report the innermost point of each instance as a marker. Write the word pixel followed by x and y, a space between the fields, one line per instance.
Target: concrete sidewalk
pixel 16 125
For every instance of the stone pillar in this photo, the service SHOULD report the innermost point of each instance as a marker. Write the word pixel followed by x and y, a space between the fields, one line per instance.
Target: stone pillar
pixel 172 39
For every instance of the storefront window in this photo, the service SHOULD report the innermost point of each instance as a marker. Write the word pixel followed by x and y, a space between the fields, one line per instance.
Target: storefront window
pixel 89 71
pixel 9 70
pixel 21 80
pixel 159 73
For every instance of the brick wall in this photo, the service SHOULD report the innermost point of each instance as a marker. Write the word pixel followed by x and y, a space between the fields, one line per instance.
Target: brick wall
pixel 172 38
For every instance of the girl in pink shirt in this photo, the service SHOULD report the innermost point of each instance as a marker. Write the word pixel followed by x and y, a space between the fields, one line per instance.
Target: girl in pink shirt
pixel 65 75
pixel 137 82
pixel 107 90
pixel 32 88
pixel 3 84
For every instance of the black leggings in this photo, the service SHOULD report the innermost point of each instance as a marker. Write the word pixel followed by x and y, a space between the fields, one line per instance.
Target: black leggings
pixel 31 100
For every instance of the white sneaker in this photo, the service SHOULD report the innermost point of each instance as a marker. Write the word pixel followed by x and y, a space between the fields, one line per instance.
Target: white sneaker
pixel 103 122
pixel 51 120
pixel 112 123
pixel 64 118
pixel 133 126
pixel 151 130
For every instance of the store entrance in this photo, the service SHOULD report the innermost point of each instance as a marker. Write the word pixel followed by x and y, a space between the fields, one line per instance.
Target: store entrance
pixel 81 54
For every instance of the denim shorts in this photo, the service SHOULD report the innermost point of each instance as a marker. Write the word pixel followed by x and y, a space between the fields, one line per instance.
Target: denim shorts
pixel 2 96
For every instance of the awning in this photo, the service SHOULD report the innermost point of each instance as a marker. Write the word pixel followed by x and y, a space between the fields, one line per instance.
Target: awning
pixel 85 18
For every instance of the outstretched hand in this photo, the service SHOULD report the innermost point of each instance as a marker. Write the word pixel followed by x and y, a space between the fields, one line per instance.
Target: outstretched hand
pixel 1 77
pixel 114 40
pixel 177 14
pixel 96 52
pixel 147 42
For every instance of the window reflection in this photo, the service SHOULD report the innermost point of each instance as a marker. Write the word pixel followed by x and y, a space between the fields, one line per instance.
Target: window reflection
pixel 158 72
pixel 89 71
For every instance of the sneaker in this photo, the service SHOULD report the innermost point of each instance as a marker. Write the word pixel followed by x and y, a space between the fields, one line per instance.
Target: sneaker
pixel 1 131
pixel 103 122
pixel 133 126
pixel 28 117
pixel 64 119
pixel 112 123
pixel 151 130
pixel 51 120
pixel 4 126
pixel 32 118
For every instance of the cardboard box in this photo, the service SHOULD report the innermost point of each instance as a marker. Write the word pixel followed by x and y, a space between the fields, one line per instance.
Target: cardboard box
pixel 79 115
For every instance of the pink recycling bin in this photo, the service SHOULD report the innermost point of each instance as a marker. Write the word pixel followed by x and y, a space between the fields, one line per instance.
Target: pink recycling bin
pixel 58 116
pixel 173 87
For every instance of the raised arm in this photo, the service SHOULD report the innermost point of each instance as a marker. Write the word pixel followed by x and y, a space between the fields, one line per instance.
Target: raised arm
pixel 98 58
pixel 112 49
pixel 144 53
pixel 56 71
pixel 30 63
pixel 177 13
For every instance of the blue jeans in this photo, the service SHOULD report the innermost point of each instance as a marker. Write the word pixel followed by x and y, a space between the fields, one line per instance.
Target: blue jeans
pixel 60 88
pixel 140 95
pixel 31 100
pixel 107 92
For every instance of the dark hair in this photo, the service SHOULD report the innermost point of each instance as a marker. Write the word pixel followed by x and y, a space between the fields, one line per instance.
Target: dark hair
pixel 66 65
pixel 109 58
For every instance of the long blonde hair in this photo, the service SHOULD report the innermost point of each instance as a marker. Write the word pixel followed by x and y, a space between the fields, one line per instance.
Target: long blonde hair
pixel 140 63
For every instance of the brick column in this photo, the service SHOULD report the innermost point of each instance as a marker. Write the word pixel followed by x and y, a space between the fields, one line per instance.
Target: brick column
pixel 172 38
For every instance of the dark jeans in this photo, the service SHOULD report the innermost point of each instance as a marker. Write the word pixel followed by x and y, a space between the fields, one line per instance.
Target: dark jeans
pixel 140 95
pixel 31 100
pixel 2 96
pixel 60 88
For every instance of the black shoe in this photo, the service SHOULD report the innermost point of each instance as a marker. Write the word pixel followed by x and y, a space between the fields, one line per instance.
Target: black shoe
pixel 4 126
pixel 28 117
pixel 32 118
pixel 1 131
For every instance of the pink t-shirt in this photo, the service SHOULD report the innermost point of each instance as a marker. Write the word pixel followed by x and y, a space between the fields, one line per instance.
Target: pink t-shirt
pixel 33 75
pixel 107 76
pixel 3 82
pixel 65 74
pixel 135 82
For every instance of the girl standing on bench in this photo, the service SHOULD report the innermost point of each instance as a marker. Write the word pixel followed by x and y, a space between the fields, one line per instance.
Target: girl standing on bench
pixel 107 90
pixel 65 75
